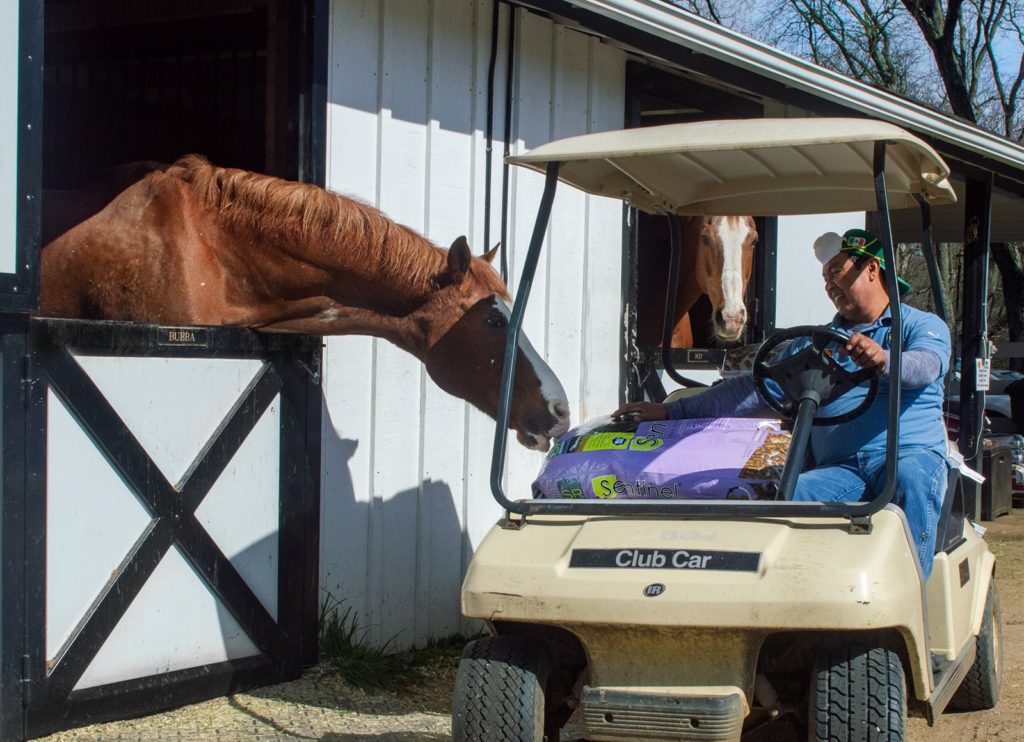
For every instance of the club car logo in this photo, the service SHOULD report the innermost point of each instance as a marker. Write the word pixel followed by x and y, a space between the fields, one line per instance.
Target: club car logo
pixel 679 559
pixel 654 590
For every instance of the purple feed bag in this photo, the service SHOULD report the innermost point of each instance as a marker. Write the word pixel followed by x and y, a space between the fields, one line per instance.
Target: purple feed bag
pixel 715 458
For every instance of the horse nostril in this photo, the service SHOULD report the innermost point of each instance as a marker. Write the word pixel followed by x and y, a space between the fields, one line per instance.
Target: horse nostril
pixel 560 409
pixel 732 317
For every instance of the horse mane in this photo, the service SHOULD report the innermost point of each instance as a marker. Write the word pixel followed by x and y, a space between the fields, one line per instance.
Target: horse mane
pixel 312 216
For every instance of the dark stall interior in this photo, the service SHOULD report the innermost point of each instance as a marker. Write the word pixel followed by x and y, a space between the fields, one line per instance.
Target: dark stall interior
pixel 127 81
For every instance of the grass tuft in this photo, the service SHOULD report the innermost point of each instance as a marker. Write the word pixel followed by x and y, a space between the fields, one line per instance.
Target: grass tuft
pixel 344 649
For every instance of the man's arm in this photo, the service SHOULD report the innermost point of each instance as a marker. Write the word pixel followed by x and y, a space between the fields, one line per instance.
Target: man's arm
pixel 729 398
pixel 918 368
pixel 921 363
pixel 926 352
pixel 734 397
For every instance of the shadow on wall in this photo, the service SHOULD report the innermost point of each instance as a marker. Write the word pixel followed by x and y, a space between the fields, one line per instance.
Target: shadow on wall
pixel 397 562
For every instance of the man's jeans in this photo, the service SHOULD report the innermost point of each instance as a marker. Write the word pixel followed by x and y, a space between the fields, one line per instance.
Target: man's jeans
pixel 921 483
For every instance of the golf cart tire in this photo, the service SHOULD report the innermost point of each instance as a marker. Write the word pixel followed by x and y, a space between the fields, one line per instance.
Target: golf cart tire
pixel 857 694
pixel 980 688
pixel 499 691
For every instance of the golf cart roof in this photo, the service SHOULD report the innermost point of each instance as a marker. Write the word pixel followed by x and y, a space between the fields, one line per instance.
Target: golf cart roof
pixel 761 167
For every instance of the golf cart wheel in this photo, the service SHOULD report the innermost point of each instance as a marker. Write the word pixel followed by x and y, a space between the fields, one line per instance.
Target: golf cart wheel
pixel 858 694
pixel 980 689
pixel 499 691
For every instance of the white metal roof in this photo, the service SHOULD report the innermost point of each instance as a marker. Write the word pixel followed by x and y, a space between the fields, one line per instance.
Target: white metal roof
pixel 666 21
pixel 761 167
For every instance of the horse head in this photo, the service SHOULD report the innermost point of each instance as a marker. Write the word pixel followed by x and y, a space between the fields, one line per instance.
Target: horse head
pixel 724 261
pixel 467 359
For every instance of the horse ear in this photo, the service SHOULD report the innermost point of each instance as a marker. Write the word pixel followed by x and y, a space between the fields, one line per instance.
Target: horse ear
pixel 459 258
pixel 489 255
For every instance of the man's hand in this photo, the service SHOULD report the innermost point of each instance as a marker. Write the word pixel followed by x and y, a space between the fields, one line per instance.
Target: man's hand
pixel 640 412
pixel 865 352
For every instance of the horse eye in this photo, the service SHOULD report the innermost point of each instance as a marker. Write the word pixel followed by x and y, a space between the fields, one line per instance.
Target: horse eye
pixel 497 320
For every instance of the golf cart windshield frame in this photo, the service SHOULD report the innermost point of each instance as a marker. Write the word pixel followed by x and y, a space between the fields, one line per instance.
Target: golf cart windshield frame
pixel 856 511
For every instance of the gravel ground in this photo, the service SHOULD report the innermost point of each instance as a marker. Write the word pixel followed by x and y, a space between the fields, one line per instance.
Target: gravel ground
pixel 320 706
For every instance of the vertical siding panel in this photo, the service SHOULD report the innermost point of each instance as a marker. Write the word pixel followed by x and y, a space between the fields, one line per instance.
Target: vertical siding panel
pixel 533 117
pixel 353 99
pixel 479 509
pixel 450 202
pixel 567 234
pixel 348 382
pixel 398 403
pixel 602 310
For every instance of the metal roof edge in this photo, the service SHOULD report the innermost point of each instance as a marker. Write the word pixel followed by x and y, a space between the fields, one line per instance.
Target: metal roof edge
pixel 659 18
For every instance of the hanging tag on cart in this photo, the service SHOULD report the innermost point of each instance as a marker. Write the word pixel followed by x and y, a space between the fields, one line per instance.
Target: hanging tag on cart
pixel 984 366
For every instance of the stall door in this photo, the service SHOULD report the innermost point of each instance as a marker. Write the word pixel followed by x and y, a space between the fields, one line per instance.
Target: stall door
pixel 171 516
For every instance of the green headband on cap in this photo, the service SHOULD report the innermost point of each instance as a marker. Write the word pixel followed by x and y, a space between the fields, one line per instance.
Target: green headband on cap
pixel 862 242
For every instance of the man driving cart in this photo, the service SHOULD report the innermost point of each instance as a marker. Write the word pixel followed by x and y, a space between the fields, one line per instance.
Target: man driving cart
pixel 849 458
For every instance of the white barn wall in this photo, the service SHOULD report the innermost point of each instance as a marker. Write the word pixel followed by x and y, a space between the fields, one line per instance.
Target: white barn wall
pixel 405 493
pixel 800 297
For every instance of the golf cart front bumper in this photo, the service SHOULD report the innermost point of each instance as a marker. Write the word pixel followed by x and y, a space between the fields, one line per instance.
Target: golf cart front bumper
pixel 704 714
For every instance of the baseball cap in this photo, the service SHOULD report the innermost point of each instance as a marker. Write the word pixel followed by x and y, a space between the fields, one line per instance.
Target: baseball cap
pixel 858 242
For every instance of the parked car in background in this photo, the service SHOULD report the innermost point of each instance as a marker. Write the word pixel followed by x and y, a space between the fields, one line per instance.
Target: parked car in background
pixel 1000 432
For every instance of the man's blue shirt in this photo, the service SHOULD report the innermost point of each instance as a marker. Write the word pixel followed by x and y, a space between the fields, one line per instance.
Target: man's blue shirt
pixel 921 423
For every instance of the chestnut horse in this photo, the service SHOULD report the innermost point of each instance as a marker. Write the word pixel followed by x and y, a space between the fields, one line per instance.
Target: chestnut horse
pixel 717 257
pixel 64 209
pixel 199 244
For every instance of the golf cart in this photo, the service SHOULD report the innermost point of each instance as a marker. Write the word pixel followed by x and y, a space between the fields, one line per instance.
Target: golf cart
pixel 691 619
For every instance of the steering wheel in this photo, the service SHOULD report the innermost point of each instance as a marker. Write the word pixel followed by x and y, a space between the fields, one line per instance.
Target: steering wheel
pixel 811 373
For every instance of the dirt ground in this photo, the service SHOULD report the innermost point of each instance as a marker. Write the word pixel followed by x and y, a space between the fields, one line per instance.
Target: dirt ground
pixel 321 707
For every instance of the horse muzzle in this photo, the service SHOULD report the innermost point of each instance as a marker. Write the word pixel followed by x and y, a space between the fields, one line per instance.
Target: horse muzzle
pixel 729 326
pixel 538 433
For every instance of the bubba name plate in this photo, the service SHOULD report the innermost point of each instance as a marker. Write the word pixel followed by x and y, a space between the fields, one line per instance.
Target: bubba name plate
pixel 192 337
pixel 698 559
